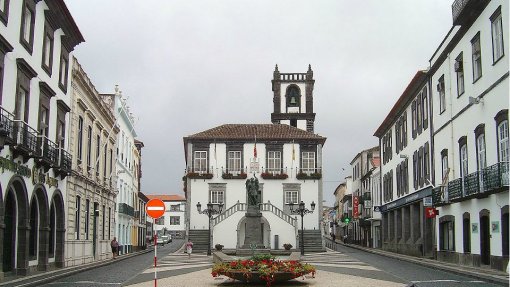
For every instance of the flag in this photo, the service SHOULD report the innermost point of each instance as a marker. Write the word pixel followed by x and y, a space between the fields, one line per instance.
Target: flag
pixel 255 150
pixel 293 152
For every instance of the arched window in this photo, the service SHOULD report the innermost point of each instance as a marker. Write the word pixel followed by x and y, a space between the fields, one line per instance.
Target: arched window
pixel 293 96
pixel 502 135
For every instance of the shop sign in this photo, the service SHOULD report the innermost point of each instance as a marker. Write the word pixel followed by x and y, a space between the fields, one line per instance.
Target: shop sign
pixel 430 212
pixel 40 177
pixel 355 205
pixel 17 168
pixel 427 201
pixel 254 165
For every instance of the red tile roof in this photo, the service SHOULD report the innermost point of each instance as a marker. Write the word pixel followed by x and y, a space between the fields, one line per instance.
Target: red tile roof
pixel 164 197
pixel 248 132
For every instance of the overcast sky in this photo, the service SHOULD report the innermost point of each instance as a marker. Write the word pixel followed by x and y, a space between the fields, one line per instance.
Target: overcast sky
pixel 188 66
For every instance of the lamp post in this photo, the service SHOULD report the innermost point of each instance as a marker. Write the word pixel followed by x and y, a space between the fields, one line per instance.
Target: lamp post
pixel 301 210
pixel 210 211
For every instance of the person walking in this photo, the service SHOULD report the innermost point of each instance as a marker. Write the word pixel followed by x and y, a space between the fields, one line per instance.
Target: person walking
pixel 115 247
pixel 189 248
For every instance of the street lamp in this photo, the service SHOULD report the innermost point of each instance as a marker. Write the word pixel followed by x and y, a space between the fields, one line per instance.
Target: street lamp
pixel 210 211
pixel 301 210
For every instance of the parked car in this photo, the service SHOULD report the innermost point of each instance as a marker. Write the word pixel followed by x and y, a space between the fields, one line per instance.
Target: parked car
pixel 161 240
pixel 169 238
pixel 165 239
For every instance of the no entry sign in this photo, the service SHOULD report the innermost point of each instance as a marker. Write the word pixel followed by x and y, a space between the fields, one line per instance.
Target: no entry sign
pixel 155 208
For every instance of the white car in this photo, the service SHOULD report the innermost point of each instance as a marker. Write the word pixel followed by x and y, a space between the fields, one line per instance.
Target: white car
pixel 169 238
pixel 161 240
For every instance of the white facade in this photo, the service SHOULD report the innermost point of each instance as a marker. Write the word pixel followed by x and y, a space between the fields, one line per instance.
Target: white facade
pixel 471 138
pixel 173 221
pixel 229 231
pixel 127 181
pixel 35 46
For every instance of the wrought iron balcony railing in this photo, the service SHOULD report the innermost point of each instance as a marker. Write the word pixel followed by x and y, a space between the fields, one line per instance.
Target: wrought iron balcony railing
pixel 64 163
pixel 309 173
pixel 47 152
pixel 126 209
pixel 7 126
pixel 25 139
pixel 491 179
pixel 233 174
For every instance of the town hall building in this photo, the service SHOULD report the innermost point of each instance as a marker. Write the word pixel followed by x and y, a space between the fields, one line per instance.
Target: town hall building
pixel 286 159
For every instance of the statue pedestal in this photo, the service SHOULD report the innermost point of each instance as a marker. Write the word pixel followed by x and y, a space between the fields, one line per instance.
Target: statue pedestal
pixel 253 230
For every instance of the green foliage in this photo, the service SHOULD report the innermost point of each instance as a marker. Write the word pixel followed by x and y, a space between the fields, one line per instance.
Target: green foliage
pixel 260 257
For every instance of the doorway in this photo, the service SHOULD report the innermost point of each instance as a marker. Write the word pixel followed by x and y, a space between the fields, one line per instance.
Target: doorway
pixel 9 233
pixel 485 238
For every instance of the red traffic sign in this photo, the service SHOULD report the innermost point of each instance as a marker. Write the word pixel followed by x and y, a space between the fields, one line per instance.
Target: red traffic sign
pixel 155 208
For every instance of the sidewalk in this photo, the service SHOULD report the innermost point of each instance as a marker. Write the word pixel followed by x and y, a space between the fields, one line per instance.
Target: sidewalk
pixel 41 278
pixel 490 275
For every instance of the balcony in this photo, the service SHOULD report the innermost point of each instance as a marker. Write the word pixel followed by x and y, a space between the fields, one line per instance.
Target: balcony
pixel 25 140
pixel 304 174
pixel 274 173
pixel 124 208
pixel 491 179
pixel 7 126
pixel 63 167
pixel 47 152
pixel 238 174
pixel 465 12
pixel 202 174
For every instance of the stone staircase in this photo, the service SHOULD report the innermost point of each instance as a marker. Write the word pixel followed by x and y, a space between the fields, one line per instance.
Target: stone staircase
pixel 312 240
pixel 200 239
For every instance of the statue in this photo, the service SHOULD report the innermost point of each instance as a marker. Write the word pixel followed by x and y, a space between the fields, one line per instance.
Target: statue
pixel 252 188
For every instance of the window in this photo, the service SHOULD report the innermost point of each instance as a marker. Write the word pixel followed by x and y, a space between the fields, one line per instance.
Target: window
pixel 217 196
pixel 175 220
pixel 176 207
pixel 442 96
pixel 444 164
pixel 414 122
pixel 447 234
pixel 293 123
pixel 34 227
pixel 425 107
pixel 291 196
pixel 104 222
pixel 160 221
pixel 477 57
pixel 308 162
pixel 111 162
pixel 98 152
pixel 459 69
pixel 80 139
pixel 497 35
pixel 502 135
pixel 89 146
pixel 419 113
pixel 77 218
pixel 25 73
pixel 463 160
pixel 4 11
pixel 274 161
pixel 47 53
pixel 87 214
pixel 64 67
pixel 426 163
pixel 44 118
pixel 234 162
pixel 105 160
pixel 200 162
pixel 27 25
pixel 62 110
pixel 480 152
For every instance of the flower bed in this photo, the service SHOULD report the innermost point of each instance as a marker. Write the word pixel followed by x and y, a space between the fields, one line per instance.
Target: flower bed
pixel 263 269
pixel 196 175
pixel 268 175
pixel 231 176
pixel 303 175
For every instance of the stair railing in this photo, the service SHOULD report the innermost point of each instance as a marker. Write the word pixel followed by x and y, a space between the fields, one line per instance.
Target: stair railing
pixel 230 211
pixel 278 212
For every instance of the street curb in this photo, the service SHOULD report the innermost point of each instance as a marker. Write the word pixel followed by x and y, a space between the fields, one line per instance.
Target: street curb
pixel 60 273
pixel 437 266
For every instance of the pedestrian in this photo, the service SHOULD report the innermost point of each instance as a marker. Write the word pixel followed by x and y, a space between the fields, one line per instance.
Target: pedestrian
pixel 115 247
pixel 189 248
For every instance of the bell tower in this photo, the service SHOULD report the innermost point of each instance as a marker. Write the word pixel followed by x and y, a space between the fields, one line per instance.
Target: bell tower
pixel 293 99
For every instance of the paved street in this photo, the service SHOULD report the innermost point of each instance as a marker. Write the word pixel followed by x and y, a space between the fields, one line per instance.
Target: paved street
pixel 349 266
pixel 117 273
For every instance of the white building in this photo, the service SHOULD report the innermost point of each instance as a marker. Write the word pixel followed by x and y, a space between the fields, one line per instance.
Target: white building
pixel 36 42
pixel 376 202
pixel 173 221
pixel 286 158
pixel 126 177
pixel 405 142
pixel 470 88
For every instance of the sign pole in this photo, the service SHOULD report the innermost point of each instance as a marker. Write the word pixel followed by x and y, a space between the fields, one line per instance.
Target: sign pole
pixel 155 256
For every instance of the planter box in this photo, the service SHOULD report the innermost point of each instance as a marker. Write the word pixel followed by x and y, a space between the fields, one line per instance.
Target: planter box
pixel 254 277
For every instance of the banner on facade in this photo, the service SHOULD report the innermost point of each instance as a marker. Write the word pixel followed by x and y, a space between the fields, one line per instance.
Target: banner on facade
pixel 355 206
